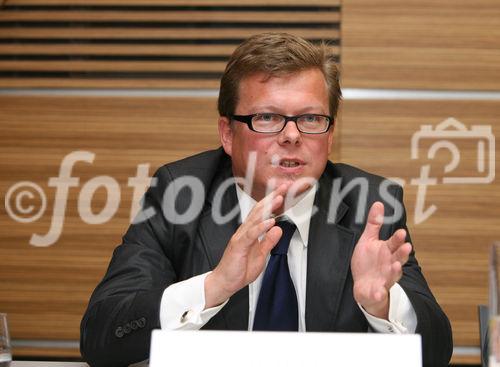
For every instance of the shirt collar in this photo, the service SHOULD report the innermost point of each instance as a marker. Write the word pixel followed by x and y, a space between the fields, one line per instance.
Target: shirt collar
pixel 300 213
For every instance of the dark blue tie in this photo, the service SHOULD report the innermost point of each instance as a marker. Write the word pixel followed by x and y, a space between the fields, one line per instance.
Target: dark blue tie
pixel 277 307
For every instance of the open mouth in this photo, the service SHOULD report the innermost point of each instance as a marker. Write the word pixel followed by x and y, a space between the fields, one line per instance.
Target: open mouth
pixel 287 163
pixel 290 163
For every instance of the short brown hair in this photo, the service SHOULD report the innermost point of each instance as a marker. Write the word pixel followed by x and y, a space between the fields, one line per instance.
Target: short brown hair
pixel 277 54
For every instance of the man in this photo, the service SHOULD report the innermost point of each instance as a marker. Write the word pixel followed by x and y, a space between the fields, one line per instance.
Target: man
pixel 299 243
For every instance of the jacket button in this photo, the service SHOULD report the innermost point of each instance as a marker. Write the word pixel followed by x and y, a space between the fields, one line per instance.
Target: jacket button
pixel 119 332
pixel 134 325
pixel 126 328
pixel 141 322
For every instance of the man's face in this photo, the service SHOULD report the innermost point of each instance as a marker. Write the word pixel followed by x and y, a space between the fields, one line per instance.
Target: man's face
pixel 294 94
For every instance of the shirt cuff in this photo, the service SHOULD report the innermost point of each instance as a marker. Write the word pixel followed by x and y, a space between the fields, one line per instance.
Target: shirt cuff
pixel 402 316
pixel 182 305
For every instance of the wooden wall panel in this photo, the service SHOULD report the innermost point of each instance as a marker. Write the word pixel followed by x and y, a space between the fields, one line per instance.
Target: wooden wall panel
pixel 163 2
pixel 45 290
pixel 443 44
pixel 453 244
pixel 143 44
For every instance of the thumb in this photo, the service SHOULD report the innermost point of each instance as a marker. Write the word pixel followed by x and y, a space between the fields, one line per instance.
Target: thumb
pixel 374 222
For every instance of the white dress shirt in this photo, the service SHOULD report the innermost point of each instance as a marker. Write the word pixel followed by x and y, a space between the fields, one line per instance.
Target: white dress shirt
pixel 183 304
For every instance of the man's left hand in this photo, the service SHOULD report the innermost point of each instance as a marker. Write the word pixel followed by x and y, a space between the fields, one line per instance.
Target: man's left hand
pixel 376 265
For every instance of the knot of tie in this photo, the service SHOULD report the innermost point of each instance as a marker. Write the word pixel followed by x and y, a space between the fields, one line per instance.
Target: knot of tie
pixel 281 247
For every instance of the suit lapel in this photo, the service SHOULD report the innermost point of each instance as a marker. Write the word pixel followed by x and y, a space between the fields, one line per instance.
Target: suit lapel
pixel 215 237
pixel 329 251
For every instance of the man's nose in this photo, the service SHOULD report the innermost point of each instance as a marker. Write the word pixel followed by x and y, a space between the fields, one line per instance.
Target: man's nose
pixel 290 133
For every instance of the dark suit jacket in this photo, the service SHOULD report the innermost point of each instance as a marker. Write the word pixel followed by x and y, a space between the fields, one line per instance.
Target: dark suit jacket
pixel 124 308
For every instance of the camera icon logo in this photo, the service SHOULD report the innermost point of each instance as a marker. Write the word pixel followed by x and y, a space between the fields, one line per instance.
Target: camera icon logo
pixel 447 135
pixel 476 166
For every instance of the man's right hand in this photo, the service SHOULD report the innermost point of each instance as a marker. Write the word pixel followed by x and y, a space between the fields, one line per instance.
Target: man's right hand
pixel 245 256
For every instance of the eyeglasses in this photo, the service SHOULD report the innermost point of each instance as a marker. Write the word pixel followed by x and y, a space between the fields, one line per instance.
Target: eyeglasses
pixel 269 123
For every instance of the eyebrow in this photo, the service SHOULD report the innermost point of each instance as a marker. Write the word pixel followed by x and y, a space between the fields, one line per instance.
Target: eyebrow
pixel 274 109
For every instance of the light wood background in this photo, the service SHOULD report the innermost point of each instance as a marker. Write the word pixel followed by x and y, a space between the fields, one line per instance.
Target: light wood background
pixel 45 290
pixel 143 44
pixel 429 44
pixel 453 244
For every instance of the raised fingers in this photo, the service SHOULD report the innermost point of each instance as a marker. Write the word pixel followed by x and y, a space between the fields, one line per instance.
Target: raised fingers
pixel 402 253
pixel 374 222
pixel 265 207
pixel 270 239
pixel 397 239
pixel 259 229
pixel 397 272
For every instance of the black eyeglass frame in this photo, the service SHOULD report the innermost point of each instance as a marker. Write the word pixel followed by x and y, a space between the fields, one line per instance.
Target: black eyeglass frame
pixel 247 119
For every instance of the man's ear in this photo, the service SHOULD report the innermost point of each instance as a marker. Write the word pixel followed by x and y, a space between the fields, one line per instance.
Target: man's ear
pixel 226 134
